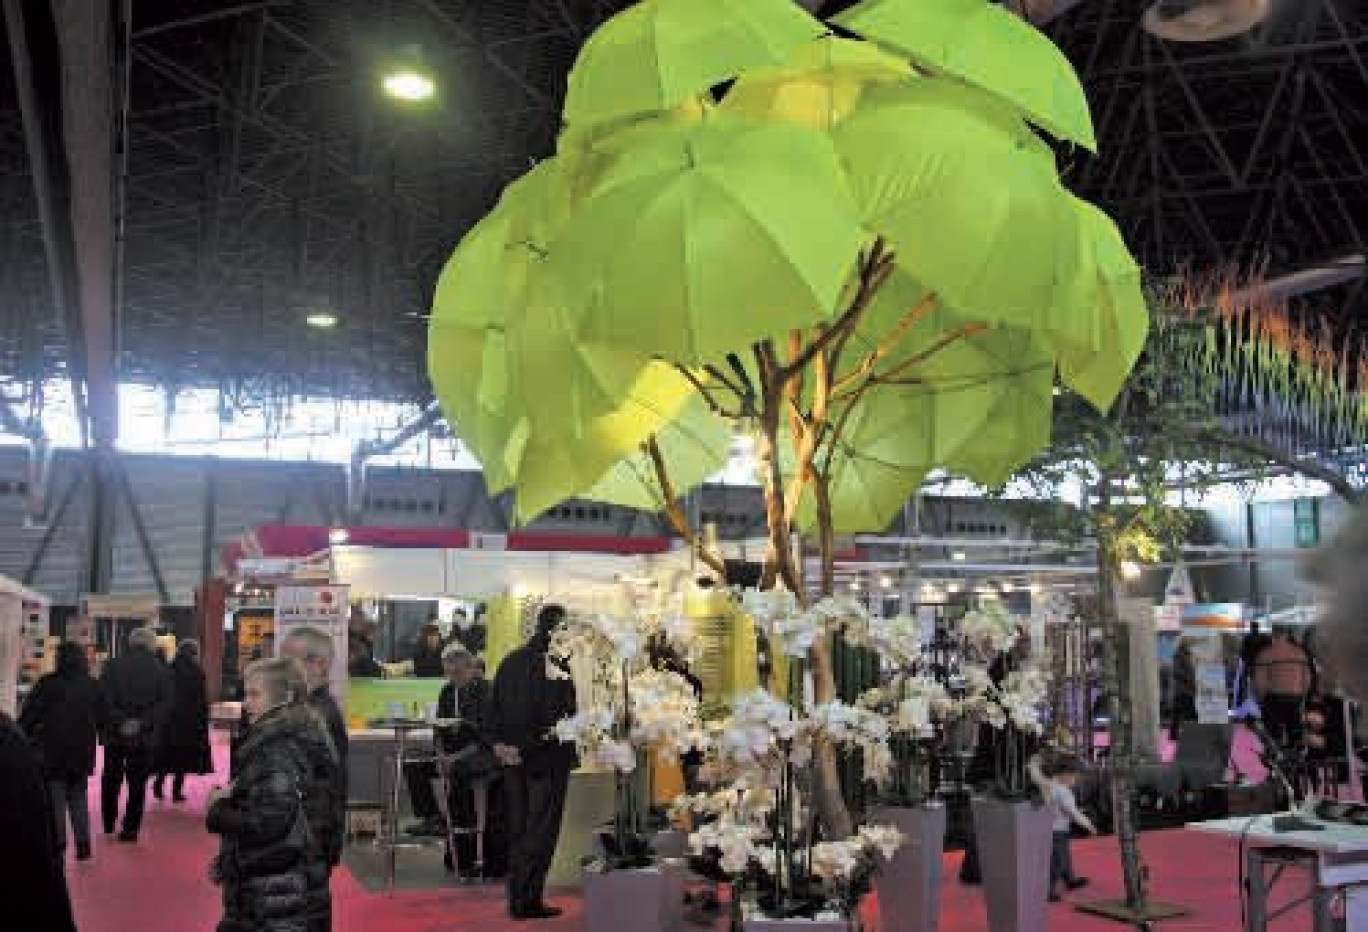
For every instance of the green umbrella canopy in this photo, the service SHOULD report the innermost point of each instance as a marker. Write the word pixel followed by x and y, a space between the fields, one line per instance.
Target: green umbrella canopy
pixel 1118 306
pixel 987 46
pixel 507 362
pixel 657 54
pixel 477 291
pixel 708 239
pixel 972 204
pixel 694 447
pixel 954 394
pixel 819 84
pixel 553 468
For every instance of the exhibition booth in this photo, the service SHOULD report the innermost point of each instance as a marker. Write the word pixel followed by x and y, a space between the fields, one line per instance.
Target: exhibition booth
pixel 26 650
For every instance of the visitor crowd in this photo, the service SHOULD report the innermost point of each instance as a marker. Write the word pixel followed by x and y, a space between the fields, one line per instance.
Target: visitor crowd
pixel 281 819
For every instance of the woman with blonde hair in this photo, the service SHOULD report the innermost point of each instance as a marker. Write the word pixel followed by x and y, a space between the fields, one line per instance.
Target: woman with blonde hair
pixel 272 868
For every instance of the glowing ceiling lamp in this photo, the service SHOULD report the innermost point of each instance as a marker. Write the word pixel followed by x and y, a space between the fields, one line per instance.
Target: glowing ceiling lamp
pixel 321 320
pixel 408 79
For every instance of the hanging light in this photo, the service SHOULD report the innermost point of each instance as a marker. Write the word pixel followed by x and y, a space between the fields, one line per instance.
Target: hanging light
pixel 338 536
pixel 408 79
pixel 321 320
pixel 886 582
pixel 1130 570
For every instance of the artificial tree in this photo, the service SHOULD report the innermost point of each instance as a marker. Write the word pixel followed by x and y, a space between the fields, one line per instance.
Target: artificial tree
pixel 856 252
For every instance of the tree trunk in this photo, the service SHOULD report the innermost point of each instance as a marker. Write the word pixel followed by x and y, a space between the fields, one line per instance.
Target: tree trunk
pixel 1120 728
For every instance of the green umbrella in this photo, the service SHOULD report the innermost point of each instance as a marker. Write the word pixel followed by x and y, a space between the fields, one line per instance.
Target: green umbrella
pixel 970 202
pixel 556 466
pixel 1117 304
pixel 657 54
pixel 982 43
pixel 482 282
pixel 819 84
pixel 711 238
pixel 957 395
pixel 695 447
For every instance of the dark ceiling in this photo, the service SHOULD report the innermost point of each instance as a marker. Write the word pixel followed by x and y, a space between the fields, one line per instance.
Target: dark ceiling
pixel 269 178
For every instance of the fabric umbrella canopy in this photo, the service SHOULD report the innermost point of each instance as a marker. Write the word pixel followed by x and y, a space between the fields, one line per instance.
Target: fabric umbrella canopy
pixel 711 238
pixel 972 205
pixel 478 289
pixel 1118 305
pixel 819 84
pixel 658 53
pixel 553 468
pixel 954 394
pixel 695 446
pixel 985 45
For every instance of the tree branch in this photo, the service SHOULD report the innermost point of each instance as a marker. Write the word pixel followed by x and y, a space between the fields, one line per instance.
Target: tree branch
pixel 713 405
pixel 875 268
pixel 1302 467
pixel 674 512
pixel 886 345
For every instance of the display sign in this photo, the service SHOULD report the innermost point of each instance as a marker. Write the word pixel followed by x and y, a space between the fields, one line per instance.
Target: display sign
pixel 1306 520
pixel 11 650
pixel 1213 700
pixel 1179 590
pixel 324 608
pixel 1168 617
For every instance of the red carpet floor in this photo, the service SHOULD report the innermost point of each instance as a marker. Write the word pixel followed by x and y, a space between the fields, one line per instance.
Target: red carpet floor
pixel 159 885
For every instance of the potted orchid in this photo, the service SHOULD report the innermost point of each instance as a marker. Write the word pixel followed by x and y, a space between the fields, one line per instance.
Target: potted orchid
pixel 1011 825
pixel 636 712
pixel 763 833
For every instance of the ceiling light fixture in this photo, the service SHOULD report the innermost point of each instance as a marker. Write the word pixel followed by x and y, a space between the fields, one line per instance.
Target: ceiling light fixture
pixel 408 78
pixel 321 320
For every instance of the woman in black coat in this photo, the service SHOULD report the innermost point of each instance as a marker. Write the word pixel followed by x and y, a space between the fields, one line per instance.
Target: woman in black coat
pixel 184 746
pixel 32 885
pixel 272 868
pixel 62 718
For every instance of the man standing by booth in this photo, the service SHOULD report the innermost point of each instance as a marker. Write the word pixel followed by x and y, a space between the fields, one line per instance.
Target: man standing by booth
pixel 137 686
pixel 531 693
pixel 327 805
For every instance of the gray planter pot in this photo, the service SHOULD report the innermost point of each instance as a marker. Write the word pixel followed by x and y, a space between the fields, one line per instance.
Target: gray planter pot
pixel 908 886
pixel 762 924
pixel 1014 854
pixel 650 899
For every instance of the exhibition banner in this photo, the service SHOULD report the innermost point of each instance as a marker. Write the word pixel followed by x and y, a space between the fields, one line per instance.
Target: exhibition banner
pixel 11 650
pixel 323 608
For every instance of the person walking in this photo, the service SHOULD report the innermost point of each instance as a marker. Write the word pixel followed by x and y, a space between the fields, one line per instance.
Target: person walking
pixel 272 869
pixel 138 689
pixel 532 692
pixel 32 883
pixel 184 745
pixel 63 717
pixel 326 805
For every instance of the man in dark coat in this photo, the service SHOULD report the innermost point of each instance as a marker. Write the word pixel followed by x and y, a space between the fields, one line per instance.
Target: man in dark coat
pixel 63 718
pixel 184 747
pixel 327 800
pixel 32 884
pixel 531 693
pixel 138 689
pixel 465 697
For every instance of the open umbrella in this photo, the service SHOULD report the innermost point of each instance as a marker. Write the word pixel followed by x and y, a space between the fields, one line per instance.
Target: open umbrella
pixel 971 202
pixel 710 238
pixel 659 53
pixel 987 46
pixel 557 466
pixel 819 84
pixel 1118 306
pixel 695 446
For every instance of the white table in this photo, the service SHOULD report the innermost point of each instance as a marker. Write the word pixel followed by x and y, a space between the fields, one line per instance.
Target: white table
pixel 1337 855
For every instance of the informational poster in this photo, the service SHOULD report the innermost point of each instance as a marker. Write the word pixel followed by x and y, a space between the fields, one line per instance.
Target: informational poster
pixel 323 608
pixel 1213 700
pixel 11 650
